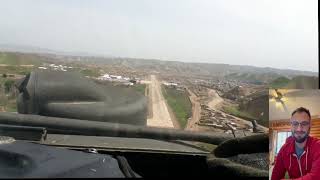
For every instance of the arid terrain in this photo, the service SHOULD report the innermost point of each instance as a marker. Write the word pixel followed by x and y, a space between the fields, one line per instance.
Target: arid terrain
pixel 189 96
pixel 160 113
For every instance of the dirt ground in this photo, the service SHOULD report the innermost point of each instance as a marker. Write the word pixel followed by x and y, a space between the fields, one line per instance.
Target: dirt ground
pixel 196 109
pixel 160 113
pixel 217 100
pixel 214 103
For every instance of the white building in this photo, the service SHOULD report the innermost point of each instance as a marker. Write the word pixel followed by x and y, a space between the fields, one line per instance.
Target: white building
pixel 170 84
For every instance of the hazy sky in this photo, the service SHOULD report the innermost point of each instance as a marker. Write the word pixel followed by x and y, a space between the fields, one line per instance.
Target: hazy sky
pixel 272 33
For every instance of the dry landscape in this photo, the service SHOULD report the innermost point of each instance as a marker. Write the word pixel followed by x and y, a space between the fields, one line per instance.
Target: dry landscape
pixel 190 96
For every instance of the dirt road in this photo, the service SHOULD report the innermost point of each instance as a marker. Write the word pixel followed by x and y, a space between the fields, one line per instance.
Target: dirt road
pixel 160 113
pixel 196 109
pixel 216 100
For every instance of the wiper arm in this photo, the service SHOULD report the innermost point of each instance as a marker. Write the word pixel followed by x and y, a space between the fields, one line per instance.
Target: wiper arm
pixel 23 132
pixel 95 128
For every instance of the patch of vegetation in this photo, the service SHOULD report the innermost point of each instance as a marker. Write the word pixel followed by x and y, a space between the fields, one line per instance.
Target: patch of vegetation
pixel 140 88
pixel 7 96
pixel 90 72
pixel 14 59
pixel 253 78
pixel 11 106
pixel 279 82
pixel 303 82
pixel 21 70
pixel 8 84
pixel 208 147
pixel 234 110
pixel 297 82
pixel 180 104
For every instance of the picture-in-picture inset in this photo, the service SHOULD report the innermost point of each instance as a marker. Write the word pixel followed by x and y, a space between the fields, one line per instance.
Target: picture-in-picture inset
pixel 294 146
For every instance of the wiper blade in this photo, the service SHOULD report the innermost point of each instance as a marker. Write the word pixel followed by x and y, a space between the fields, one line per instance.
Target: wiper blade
pixel 23 132
pixel 95 128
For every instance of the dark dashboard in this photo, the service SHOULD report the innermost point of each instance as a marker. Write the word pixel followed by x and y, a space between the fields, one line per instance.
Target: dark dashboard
pixel 75 156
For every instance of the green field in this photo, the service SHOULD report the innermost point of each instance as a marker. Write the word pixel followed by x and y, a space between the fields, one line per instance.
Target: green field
pixel 15 59
pixel 140 88
pixel 180 104
pixel 297 82
pixel 233 110
pixel 11 105
pixel 7 100
pixel 90 72
pixel 206 146
pixel 279 82
pixel 21 70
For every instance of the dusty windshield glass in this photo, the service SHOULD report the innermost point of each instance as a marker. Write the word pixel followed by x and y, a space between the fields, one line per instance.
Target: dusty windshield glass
pixel 198 66
pixel 186 66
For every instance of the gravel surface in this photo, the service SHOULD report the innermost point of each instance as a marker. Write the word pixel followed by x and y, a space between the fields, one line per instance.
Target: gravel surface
pixel 256 160
pixel 161 116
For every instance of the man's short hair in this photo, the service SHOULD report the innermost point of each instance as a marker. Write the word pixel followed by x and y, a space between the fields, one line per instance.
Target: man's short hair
pixel 300 110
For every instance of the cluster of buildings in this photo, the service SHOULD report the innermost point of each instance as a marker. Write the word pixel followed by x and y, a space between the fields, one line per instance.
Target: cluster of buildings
pixel 170 84
pixel 219 120
pixel 220 85
pixel 55 67
pixel 118 78
pixel 174 85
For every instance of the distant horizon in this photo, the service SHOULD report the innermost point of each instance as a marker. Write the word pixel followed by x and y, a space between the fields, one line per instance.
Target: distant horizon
pixel 71 53
pixel 270 33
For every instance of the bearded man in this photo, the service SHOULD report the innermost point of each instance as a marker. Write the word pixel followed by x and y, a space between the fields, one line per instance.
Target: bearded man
pixel 300 155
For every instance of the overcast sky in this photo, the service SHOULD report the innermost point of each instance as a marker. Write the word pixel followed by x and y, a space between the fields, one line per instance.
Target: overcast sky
pixel 264 33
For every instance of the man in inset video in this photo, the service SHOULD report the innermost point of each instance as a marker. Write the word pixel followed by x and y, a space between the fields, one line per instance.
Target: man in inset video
pixel 300 155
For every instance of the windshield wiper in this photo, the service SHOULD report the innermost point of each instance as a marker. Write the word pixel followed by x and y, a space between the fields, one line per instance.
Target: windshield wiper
pixel 23 132
pixel 94 128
